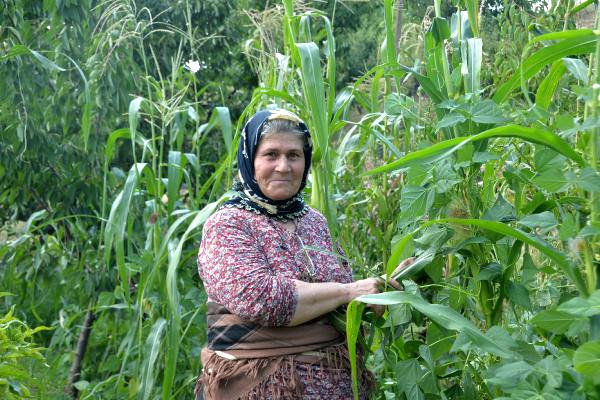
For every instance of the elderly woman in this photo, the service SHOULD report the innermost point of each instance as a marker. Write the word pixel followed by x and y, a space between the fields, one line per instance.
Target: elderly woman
pixel 268 295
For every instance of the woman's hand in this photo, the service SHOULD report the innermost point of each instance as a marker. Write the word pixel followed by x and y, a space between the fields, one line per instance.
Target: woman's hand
pixel 401 266
pixel 362 287
pixel 316 299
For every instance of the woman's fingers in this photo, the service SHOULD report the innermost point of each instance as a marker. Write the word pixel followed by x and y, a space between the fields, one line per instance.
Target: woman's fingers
pixel 378 310
pixel 369 286
pixel 403 265
pixel 395 284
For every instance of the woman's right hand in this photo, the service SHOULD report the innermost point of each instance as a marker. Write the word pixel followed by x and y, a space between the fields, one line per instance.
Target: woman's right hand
pixel 316 299
pixel 362 287
pixel 374 285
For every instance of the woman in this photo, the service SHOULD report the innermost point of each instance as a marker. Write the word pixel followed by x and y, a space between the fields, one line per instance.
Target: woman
pixel 268 296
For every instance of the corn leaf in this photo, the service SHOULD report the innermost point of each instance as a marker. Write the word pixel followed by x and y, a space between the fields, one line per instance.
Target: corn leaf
pixel 473 11
pixel 21 50
pixel 152 350
pixel 117 220
pixel 573 43
pixel 173 295
pixel 548 86
pixel 353 321
pixel 442 315
pixel 444 149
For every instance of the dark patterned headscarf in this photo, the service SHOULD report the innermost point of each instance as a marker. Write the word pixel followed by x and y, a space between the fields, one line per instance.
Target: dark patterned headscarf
pixel 248 194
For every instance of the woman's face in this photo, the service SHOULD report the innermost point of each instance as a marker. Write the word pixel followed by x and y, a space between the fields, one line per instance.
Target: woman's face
pixel 279 165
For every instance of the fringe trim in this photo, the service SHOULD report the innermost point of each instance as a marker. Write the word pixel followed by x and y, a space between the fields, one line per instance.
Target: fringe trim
pixel 227 379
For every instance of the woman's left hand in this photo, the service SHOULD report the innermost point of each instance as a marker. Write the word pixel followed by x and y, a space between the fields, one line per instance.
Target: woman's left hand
pixel 380 309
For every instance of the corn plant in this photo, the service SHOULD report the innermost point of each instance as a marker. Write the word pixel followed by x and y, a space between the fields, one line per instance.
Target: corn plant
pixel 471 144
pixel 488 268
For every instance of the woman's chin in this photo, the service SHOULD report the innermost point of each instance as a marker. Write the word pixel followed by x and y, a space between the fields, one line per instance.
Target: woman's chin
pixel 280 192
pixel 280 196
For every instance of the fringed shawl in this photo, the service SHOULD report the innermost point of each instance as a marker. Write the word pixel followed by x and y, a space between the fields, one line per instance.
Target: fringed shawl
pixel 241 356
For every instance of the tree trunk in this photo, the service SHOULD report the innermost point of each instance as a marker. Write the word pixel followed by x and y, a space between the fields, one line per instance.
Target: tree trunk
pixel 75 372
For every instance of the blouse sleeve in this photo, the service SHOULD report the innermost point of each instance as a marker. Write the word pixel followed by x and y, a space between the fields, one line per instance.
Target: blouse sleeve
pixel 236 274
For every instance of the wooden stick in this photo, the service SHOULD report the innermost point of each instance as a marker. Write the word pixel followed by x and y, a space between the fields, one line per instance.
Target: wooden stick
pixel 75 372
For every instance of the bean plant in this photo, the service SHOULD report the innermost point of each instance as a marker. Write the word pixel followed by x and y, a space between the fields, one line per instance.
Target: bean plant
pixel 475 156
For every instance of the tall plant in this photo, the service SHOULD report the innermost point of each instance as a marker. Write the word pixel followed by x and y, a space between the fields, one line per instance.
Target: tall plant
pixel 457 177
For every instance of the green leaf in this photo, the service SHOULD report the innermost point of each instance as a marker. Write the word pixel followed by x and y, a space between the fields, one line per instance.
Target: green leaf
pixel 397 315
pixel 568 228
pixel 312 82
pixel 153 347
pixel 441 315
pixel 459 26
pixel 473 12
pixel 487 112
pixel 589 180
pixel 175 176
pixel 577 68
pixel 545 221
pixel 501 211
pixel 444 149
pixel 220 118
pixel 555 321
pixel 489 272
pixel 548 86
pixel 583 306
pixel 450 120
pixel 548 160
pixel 389 55
pixel 440 30
pixel 134 111
pixel 81 385
pixel 427 84
pixel 353 320
pixel 529 270
pixel 552 370
pixel 313 87
pixel 553 181
pixel 117 219
pixel 573 43
pixel 109 150
pixel 509 374
pixel 415 202
pixel 501 337
pixel 555 255
pixel 519 295
pixel 472 53
pixel 397 253
pixel 587 360
pixel 173 333
pixel 423 260
pixel 409 373
pixel 398 104
pixel 590 230
pixel 20 50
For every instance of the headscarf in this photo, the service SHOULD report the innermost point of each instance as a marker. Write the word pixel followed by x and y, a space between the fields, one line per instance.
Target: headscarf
pixel 247 192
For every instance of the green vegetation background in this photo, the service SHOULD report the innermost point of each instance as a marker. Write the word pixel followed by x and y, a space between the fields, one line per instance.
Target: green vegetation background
pixel 113 152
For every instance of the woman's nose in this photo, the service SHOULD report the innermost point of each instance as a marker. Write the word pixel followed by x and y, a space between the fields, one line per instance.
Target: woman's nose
pixel 282 164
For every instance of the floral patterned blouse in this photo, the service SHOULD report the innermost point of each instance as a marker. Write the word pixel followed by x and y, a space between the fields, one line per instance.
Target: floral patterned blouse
pixel 248 263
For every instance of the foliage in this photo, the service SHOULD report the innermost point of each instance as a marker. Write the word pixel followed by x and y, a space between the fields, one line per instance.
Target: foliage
pixel 473 145
pixel 17 354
